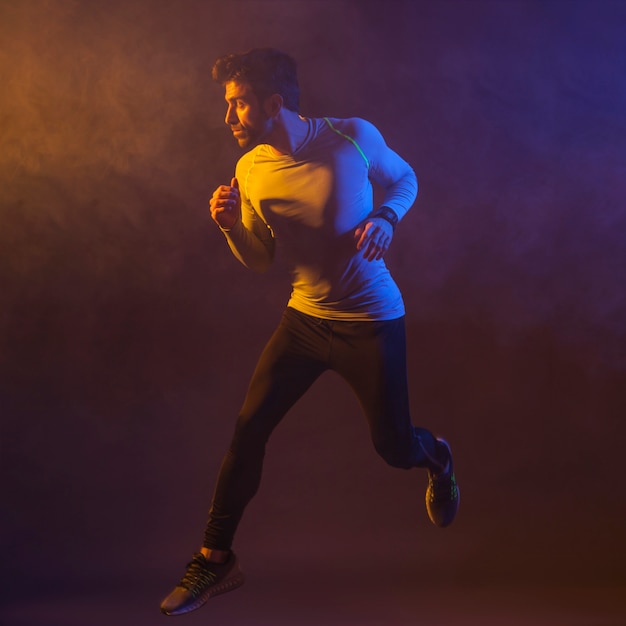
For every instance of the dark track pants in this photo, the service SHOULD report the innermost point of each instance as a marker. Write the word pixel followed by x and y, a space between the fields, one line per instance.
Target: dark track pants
pixel 370 356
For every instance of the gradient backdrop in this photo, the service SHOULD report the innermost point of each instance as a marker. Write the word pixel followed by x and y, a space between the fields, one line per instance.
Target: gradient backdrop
pixel 128 332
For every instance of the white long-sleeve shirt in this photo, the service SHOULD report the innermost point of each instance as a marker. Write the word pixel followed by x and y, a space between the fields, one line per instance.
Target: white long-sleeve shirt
pixel 310 203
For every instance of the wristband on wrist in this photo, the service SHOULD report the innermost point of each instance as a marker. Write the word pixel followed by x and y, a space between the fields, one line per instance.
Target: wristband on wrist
pixel 387 214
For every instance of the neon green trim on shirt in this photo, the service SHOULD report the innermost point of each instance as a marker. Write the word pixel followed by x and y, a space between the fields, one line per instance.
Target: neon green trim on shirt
pixel 352 141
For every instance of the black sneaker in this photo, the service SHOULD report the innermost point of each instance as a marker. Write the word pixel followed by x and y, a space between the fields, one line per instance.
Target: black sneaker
pixel 202 581
pixel 442 493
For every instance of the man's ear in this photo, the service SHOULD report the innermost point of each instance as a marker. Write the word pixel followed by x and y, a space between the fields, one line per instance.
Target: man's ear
pixel 273 104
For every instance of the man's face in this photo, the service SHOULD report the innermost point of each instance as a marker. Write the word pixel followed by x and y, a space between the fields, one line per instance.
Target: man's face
pixel 246 117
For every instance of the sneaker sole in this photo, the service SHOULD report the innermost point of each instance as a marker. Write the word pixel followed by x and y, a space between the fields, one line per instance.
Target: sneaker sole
pixel 230 584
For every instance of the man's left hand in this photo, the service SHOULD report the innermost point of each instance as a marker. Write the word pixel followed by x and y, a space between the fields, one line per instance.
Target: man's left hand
pixel 373 237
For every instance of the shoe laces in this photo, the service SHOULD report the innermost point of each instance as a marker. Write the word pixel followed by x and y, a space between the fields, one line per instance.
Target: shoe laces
pixel 198 575
pixel 443 487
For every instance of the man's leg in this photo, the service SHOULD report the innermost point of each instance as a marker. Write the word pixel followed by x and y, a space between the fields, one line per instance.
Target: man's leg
pixel 371 356
pixel 287 367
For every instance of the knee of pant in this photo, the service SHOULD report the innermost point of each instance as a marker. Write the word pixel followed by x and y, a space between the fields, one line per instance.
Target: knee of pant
pixel 249 433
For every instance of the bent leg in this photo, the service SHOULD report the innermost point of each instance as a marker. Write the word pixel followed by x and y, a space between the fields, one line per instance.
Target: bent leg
pixel 371 356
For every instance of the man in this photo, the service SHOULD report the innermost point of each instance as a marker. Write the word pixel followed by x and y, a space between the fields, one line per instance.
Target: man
pixel 305 184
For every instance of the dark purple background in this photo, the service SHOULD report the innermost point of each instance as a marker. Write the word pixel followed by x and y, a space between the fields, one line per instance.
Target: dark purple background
pixel 128 331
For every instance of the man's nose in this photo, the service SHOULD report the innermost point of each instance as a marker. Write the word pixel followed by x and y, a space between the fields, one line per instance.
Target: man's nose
pixel 230 118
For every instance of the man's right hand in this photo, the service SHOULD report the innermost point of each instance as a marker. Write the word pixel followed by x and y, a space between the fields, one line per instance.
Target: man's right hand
pixel 225 205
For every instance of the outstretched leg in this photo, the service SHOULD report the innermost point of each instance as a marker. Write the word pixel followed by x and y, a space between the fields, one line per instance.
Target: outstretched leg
pixel 282 376
pixel 289 364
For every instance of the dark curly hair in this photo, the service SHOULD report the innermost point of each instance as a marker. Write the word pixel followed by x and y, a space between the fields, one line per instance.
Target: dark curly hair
pixel 268 71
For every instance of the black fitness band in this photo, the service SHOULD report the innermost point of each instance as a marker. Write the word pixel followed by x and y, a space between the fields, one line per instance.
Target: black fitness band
pixel 387 214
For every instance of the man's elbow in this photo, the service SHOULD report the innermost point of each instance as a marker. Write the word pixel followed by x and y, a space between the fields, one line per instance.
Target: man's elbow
pixel 412 176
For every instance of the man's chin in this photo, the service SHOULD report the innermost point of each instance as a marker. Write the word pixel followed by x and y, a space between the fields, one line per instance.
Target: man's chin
pixel 246 142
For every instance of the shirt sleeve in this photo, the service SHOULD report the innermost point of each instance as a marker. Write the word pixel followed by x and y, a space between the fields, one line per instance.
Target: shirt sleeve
pixel 251 240
pixel 387 169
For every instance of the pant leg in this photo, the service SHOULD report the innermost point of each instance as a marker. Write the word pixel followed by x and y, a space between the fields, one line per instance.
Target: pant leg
pixel 291 361
pixel 371 357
